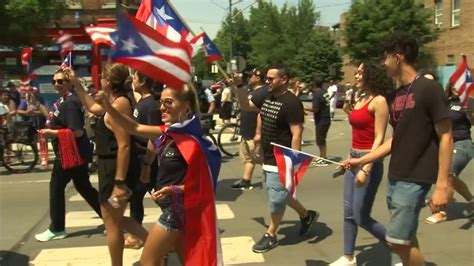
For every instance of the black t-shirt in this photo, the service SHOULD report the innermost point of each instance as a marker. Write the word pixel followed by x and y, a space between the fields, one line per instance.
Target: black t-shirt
pixel 320 103
pixel 70 114
pixel 248 120
pixel 146 112
pixel 277 114
pixel 415 145
pixel 460 122
pixel 172 165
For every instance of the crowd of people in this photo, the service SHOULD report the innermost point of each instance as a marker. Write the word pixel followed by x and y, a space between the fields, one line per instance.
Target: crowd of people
pixel 148 139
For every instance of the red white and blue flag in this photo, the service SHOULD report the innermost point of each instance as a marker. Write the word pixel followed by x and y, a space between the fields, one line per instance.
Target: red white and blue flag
pixel 212 52
pixel 100 35
pixel 161 16
pixel 65 42
pixel 461 80
pixel 26 55
pixel 292 165
pixel 201 236
pixel 151 53
pixel 67 62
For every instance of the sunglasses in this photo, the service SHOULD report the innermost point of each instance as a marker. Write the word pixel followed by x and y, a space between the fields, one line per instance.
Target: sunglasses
pixel 168 103
pixel 58 81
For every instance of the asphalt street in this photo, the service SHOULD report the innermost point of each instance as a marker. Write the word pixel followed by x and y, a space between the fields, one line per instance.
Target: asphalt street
pixel 242 215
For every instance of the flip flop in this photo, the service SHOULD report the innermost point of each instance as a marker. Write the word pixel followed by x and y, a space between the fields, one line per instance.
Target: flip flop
pixel 136 244
pixel 433 220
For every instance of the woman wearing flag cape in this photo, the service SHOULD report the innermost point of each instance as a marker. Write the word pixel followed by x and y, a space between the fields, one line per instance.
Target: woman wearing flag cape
pixel 185 185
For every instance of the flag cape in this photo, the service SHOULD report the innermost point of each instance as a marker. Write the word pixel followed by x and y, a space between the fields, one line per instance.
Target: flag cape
pixel 291 167
pixel 202 242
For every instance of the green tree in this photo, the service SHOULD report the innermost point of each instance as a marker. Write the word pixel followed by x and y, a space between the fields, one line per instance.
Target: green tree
pixel 240 36
pixel 317 56
pixel 24 20
pixel 370 22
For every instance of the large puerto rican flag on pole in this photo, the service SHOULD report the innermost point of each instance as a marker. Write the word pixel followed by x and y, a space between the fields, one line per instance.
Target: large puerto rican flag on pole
pixel 201 236
pixel 161 16
pixel 100 35
pixel 151 53
pixel 292 165
pixel 212 52
pixel 462 81
pixel 26 55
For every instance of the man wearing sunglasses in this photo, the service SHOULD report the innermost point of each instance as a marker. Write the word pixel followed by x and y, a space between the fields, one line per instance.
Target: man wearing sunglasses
pixel 281 121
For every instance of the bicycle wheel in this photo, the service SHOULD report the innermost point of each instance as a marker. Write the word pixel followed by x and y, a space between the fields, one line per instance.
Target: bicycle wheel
pixel 229 139
pixel 20 157
pixel 211 138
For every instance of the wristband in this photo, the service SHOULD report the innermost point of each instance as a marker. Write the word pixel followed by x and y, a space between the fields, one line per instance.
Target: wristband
pixel 119 182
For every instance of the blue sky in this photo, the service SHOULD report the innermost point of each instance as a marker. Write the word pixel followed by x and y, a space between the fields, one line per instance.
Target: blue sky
pixel 209 14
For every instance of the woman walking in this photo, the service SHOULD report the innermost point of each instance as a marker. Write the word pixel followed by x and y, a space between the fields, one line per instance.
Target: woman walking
pixel 369 120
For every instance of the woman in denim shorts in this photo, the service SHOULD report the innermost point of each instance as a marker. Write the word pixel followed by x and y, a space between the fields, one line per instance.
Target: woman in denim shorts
pixel 180 149
pixel 461 119
pixel 368 119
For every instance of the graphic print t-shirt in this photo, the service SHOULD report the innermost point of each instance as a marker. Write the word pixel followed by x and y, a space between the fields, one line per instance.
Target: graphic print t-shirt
pixel 413 115
pixel 277 114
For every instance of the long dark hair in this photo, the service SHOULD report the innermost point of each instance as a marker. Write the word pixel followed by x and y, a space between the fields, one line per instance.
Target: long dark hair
pixel 375 79
pixel 152 86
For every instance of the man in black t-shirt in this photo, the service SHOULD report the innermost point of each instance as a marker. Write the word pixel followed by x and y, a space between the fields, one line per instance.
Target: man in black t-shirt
pixel 421 148
pixel 281 121
pixel 250 152
pixel 322 119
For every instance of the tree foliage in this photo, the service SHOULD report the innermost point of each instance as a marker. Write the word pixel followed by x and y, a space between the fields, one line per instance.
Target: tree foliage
pixel 370 22
pixel 24 20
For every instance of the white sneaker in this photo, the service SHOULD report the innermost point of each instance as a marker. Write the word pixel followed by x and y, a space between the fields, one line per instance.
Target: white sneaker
pixel 343 261
pixel 48 235
pixel 396 261
pixel 319 163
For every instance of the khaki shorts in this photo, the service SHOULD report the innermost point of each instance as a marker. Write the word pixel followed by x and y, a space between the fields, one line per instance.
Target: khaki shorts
pixel 248 154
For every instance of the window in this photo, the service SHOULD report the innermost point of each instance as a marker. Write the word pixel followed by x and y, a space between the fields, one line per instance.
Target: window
pixel 438 13
pixel 456 13
pixel 450 59
pixel 74 4
pixel 108 3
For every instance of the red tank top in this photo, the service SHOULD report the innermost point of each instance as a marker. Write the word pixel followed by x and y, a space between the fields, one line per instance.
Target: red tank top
pixel 363 127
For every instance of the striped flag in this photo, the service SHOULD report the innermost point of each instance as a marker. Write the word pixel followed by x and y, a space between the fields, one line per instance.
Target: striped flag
pixel 462 81
pixel 292 165
pixel 161 16
pixel 151 53
pixel 100 35
pixel 66 43
pixel 212 52
pixel 67 62
pixel 26 55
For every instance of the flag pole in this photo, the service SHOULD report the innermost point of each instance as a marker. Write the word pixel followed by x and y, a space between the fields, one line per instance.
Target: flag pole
pixel 305 153
pixel 194 34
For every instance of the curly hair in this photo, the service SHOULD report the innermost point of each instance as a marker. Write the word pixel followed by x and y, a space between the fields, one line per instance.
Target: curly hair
pixel 375 79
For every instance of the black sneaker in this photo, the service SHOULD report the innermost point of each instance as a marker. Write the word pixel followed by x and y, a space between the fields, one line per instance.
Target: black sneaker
pixel 319 163
pixel 266 243
pixel 242 185
pixel 308 221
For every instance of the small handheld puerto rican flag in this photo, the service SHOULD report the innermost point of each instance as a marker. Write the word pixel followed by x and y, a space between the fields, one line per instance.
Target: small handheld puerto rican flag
pixel 67 62
pixel 292 165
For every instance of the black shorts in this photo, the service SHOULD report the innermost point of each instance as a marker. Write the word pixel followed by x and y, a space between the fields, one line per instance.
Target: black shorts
pixel 321 133
pixel 226 111
pixel 106 169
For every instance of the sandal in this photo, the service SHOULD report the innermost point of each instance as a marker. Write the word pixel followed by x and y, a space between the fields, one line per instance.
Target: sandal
pixel 437 218
pixel 132 243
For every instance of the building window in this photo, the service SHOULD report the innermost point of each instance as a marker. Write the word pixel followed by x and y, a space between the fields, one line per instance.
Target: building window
pixel 450 59
pixel 438 13
pixel 74 4
pixel 109 3
pixel 456 13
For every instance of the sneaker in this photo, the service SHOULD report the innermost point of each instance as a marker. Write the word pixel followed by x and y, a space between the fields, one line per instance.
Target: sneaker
pixel 343 261
pixel 395 260
pixel 242 185
pixel 308 221
pixel 266 243
pixel 48 235
pixel 319 163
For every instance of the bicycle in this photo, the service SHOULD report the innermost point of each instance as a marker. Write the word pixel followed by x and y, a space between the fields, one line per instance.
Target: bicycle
pixel 208 124
pixel 229 136
pixel 18 151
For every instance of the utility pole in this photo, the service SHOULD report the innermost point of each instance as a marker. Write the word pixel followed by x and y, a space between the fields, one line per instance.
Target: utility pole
pixel 230 37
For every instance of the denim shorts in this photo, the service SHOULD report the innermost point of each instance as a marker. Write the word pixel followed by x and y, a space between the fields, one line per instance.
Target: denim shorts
pixel 172 217
pixel 277 194
pixel 462 154
pixel 404 201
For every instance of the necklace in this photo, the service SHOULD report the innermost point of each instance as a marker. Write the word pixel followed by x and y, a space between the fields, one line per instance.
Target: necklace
pixel 396 119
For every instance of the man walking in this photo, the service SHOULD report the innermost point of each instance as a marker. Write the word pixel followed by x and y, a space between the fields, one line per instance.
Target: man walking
pixel 421 148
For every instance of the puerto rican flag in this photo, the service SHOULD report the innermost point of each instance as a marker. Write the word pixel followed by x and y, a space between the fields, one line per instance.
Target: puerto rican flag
pixel 100 35
pixel 212 52
pixel 26 55
pixel 67 62
pixel 462 81
pixel 66 43
pixel 161 16
pixel 292 165
pixel 151 53
pixel 201 236
pixel 24 84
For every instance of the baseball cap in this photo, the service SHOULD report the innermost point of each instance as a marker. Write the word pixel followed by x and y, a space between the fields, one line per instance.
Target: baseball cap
pixel 257 72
